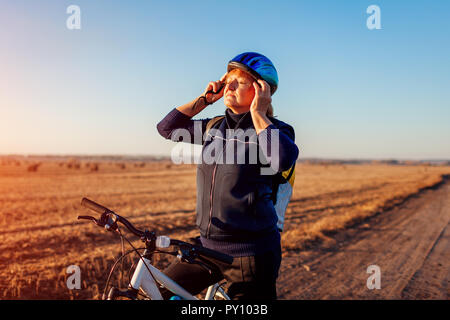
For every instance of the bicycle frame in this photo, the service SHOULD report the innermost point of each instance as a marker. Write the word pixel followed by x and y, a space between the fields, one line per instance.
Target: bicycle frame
pixel 143 280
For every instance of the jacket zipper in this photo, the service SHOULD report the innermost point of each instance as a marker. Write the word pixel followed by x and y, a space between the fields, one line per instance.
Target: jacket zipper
pixel 212 184
pixel 211 200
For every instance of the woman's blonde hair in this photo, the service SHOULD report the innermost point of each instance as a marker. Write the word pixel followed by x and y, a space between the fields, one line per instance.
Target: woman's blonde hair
pixel 242 72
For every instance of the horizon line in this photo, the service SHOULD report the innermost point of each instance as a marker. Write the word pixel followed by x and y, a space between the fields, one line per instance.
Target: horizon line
pixel 125 155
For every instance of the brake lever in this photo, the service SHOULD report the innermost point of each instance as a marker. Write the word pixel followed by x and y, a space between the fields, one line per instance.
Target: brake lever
pixel 90 218
pixel 105 221
pixel 189 255
pixel 203 265
pixel 109 221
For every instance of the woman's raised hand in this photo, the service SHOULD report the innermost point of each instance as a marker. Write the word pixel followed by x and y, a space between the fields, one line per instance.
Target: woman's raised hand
pixel 262 98
pixel 217 88
pixel 197 105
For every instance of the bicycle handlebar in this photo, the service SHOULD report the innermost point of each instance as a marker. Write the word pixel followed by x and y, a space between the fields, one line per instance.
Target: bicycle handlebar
pixel 85 202
pixel 214 254
pixel 106 221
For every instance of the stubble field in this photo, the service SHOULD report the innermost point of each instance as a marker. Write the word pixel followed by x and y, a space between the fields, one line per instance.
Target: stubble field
pixel 40 235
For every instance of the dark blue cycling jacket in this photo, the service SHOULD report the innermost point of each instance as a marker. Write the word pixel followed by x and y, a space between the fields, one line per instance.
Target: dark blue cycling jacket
pixel 235 211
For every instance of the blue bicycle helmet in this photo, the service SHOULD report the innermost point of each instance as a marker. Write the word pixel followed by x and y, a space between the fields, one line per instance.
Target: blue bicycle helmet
pixel 259 66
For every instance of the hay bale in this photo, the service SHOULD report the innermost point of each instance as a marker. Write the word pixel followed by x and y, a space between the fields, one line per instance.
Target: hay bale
pixel 33 167
pixel 73 164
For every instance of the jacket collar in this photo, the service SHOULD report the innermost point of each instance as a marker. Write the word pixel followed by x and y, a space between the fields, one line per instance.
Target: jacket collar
pixel 235 121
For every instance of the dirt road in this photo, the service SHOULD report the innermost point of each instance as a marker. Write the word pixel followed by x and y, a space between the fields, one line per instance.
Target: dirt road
pixel 409 243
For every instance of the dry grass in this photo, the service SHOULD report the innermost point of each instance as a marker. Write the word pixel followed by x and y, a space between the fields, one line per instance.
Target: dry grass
pixel 40 236
pixel 329 198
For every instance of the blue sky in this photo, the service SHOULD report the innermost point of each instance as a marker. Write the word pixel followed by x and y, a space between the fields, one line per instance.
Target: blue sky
pixel 348 91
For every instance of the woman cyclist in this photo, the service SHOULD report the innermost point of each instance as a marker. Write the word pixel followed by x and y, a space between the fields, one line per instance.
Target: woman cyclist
pixel 235 208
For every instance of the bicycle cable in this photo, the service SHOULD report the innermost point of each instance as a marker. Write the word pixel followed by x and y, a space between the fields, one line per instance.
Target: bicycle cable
pixel 114 267
pixel 123 251
pixel 123 256
pixel 140 257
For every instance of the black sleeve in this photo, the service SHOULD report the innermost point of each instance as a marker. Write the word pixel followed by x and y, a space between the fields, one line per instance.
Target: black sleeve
pixel 288 150
pixel 181 128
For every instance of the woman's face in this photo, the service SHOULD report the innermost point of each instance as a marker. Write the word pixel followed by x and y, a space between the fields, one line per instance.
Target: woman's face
pixel 239 91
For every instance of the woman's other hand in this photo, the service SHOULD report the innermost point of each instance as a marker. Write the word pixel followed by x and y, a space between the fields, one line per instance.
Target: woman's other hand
pixel 260 105
pixel 262 99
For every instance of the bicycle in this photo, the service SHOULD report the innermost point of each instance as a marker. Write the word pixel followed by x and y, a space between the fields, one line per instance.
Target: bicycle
pixel 146 277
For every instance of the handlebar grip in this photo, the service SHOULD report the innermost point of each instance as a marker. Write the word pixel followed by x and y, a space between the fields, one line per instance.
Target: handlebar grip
pixel 214 254
pixel 85 202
